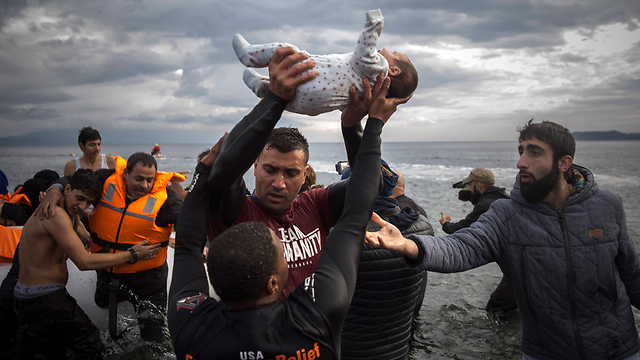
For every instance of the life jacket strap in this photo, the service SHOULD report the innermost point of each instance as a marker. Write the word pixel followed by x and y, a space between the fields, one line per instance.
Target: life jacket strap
pixel 108 245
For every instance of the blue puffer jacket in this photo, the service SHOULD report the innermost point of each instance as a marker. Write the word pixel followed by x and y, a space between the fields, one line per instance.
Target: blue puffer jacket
pixel 575 271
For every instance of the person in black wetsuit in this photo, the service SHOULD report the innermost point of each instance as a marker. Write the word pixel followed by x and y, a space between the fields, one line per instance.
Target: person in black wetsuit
pixel 249 321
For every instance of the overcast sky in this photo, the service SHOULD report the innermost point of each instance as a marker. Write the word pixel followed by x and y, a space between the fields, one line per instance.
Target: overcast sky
pixel 485 66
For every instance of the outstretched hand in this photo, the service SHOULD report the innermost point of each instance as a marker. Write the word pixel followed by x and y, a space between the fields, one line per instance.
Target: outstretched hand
pixel 390 238
pixel 285 72
pixel 381 106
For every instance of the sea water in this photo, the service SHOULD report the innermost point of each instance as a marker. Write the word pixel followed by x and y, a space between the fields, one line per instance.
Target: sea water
pixel 452 322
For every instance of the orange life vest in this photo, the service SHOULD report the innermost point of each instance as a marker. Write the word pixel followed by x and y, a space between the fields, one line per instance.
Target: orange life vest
pixel 17 198
pixel 9 238
pixel 116 226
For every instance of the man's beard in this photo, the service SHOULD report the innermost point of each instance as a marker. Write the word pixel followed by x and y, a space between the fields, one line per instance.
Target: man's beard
pixel 537 190
pixel 475 197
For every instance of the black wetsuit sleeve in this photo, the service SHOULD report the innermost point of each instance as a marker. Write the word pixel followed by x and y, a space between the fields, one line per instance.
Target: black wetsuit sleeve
pixel 239 150
pixel 352 141
pixel 480 208
pixel 189 276
pixel 170 210
pixel 335 276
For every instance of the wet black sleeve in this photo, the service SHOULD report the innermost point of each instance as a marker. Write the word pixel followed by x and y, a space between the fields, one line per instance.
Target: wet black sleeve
pixel 352 142
pixel 352 139
pixel 239 150
pixel 170 210
pixel 335 277
pixel 189 278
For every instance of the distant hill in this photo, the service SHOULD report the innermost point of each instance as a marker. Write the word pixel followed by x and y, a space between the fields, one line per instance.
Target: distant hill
pixel 604 135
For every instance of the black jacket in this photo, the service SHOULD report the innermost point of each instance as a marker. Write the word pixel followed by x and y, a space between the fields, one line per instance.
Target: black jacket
pixel 389 293
pixel 489 196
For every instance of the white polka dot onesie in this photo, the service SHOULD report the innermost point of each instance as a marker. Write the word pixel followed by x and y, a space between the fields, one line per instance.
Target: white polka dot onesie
pixel 338 72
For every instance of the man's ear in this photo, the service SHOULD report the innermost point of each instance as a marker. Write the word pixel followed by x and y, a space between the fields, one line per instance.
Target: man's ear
pixel 272 285
pixel 394 71
pixel 67 189
pixel 81 146
pixel 565 163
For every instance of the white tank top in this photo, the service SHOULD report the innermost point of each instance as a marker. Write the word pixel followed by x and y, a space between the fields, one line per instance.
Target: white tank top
pixel 102 166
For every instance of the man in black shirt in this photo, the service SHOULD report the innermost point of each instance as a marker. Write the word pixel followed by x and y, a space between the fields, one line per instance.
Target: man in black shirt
pixel 249 321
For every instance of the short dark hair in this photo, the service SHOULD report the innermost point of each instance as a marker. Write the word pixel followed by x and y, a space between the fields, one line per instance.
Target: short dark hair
pixel 241 260
pixel 405 83
pixel 557 136
pixel 204 153
pixel 145 159
pixel 88 133
pixel 288 139
pixel 87 181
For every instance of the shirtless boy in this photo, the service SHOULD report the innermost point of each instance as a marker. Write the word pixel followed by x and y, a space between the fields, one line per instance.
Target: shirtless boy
pixel 49 318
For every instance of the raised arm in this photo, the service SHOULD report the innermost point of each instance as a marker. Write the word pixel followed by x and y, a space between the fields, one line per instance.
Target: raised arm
pixel 352 133
pixel 62 230
pixel 366 60
pixel 247 139
pixel 335 276
pixel 468 248
pixel 189 277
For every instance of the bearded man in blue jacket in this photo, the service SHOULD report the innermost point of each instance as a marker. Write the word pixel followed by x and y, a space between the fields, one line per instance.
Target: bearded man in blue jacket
pixel 564 244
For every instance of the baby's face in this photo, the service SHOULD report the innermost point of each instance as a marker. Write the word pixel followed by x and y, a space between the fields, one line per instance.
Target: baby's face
pixel 393 57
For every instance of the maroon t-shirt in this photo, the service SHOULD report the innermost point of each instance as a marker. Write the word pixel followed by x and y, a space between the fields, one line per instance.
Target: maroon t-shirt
pixel 303 230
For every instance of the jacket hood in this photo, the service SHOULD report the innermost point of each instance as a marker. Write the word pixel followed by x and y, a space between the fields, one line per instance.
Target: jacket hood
pixel 590 188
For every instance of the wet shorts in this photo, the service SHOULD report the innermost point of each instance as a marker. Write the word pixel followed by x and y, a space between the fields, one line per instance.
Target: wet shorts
pixel 51 322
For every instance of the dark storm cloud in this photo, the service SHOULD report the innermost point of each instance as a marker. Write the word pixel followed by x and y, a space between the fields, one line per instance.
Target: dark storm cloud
pixel 452 77
pixel 18 114
pixel 10 9
pixel 503 24
pixel 66 51
pixel 11 96
pixel 573 58
pixel 107 65
pixel 182 118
